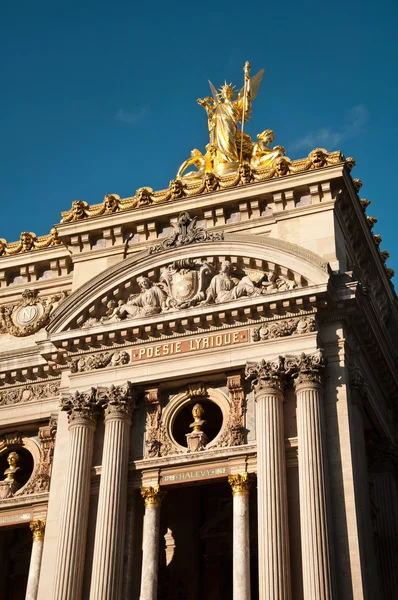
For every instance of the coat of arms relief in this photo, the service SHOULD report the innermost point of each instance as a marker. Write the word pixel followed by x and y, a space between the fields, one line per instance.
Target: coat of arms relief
pixel 29 315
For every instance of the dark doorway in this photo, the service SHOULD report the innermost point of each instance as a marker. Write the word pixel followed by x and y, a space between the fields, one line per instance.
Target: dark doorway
pixel 15 551
pixel 196 544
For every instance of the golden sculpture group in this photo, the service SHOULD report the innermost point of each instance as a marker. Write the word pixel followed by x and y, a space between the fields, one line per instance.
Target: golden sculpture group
pixel 231 159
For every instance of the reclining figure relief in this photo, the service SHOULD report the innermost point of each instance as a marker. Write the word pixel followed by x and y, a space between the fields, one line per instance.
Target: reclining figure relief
pixel 186 283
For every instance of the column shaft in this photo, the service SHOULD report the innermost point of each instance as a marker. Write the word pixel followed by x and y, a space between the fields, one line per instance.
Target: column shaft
pixel 106 579
pixel 312 491
pixel 273 534
pixel 241 538
pixel 35 559
pixel 73 523
pixel 150 547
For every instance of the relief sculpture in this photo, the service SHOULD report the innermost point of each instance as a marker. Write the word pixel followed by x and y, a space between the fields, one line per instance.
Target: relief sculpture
pixel 190 282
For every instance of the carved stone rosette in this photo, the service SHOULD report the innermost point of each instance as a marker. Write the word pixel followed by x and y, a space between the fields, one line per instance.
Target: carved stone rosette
pixel 153 496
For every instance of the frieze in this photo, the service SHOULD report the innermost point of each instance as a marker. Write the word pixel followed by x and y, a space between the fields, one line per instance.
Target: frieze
pixel 99 361
pixel 29 315
pixel 29 393
pixel 186 283
pixel 269 330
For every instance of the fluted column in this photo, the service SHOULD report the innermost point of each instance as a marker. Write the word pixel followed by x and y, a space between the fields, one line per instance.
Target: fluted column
pixel 240 485
pixel 37 528
pixel 273 534
pixel 308 382
pixel 153 497
pixel 81 409
pixel 384 461
pixel 106 577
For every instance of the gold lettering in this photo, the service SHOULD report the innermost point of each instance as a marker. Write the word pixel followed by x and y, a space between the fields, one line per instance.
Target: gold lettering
pixel 218 340
pixel 149 352
pixel 141 352
pixel 205 342
pixel 157 350
pixel 178 347
pixel 235 337
pixel 227 338
pixel 165 349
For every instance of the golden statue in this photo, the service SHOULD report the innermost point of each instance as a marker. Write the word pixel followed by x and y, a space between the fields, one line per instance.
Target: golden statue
pixel 263 155
pixel 224 112
pixel 12 460
pixel 198 422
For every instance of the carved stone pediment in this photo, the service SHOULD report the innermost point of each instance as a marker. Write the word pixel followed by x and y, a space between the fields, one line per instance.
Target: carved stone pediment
pixel 183 284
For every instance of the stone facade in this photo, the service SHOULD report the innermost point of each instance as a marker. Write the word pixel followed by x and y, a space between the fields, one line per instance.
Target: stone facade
pixel 264 300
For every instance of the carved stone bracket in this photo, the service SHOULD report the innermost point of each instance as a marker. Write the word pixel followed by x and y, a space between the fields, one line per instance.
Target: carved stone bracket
pixel 234 434
pixel 40 480
pixel 152 439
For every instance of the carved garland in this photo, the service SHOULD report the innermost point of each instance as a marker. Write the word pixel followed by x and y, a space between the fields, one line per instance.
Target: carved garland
pixel 29 393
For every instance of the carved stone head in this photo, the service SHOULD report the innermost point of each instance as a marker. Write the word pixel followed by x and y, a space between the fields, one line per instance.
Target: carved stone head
pixel 78 209
pixel 211 182
pixel 111 203
pixel 145 283
pixel 282 166
pixel 54 237
pixel 245 173
pixel 318 157
pixel 350 162
pixel 144 196
pixel 176 189
pixel 27 240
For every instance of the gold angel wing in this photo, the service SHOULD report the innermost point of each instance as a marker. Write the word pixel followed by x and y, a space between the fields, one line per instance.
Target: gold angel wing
pixel 255 83
pixel 214 92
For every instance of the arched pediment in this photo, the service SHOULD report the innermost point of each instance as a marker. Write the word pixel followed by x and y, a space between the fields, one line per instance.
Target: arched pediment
pixel 182 277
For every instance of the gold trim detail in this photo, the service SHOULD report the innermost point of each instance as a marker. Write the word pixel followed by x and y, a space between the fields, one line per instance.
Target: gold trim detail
pixel 240 484
pixel 38 528
pixel 153 496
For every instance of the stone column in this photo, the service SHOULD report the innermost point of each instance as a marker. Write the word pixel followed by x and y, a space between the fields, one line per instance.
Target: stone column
pixel 37 528
pixel 308 382
pixel 240 485
pixel 383 466
pixel 273 534
pixel 81 409
pixel 150 550
pixel 106 575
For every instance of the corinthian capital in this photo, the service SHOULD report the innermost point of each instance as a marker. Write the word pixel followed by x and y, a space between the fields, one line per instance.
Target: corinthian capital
pixel 118 400
pixel 153 496
pixel 38 528
pixel 266 374
pixel 81 406
pixel 240 484
pixel 306 369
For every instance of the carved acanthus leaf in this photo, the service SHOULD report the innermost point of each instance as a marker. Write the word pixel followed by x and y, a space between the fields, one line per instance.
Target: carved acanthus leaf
pixel 99 361
pixel 283 328
pixel 29 393
pixel 266 374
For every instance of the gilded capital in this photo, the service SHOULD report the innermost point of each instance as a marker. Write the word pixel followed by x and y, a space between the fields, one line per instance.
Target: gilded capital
pixel 240 484
pixel 118 401
pixel 306 369
pixel 37 528
pixel 153 496
pixel 266 375
pixel 81 407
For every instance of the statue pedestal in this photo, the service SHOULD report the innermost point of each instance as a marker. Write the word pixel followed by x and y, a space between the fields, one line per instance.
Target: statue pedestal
pixel 196 441
pixel 8 488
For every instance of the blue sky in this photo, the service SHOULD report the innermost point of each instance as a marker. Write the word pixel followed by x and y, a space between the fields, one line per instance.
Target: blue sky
pixel 100 97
